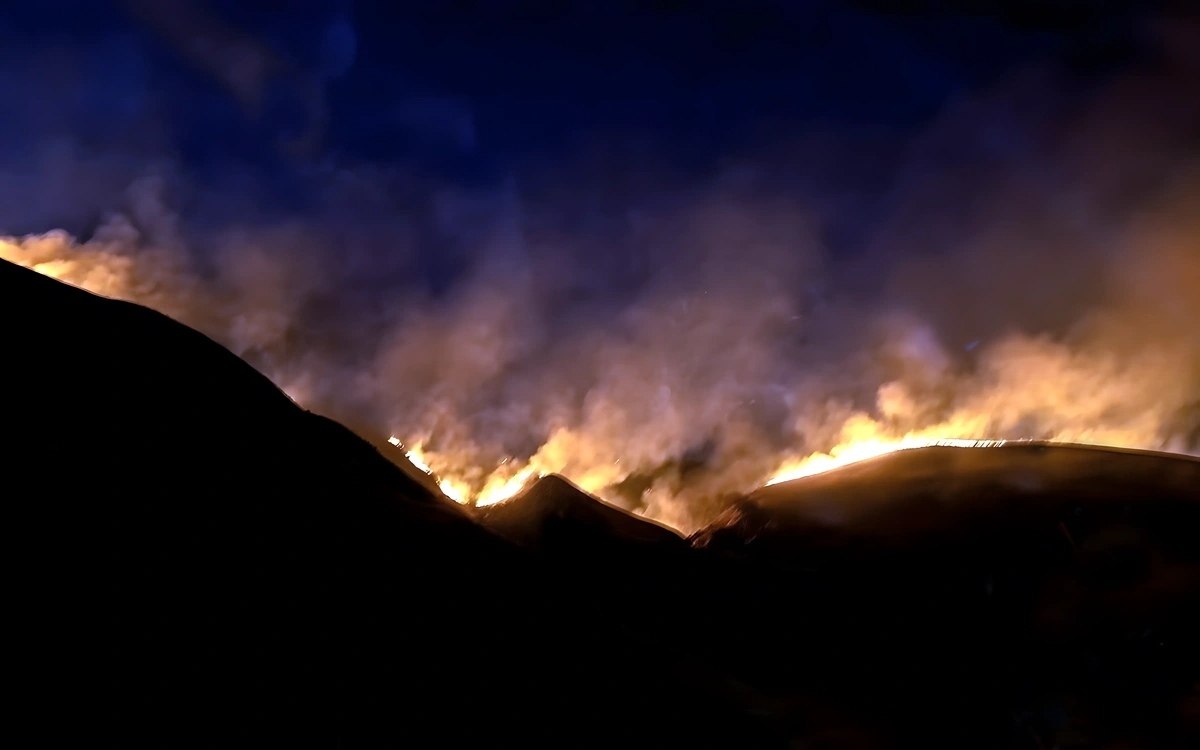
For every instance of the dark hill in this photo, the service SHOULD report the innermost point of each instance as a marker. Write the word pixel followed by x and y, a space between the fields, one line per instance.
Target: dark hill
pixel 1018 596
pixel 554 512
pixel 199 562
pixel 641 575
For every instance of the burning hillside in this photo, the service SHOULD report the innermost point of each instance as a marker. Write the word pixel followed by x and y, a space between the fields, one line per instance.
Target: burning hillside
pixel 266 569
pixel 647 425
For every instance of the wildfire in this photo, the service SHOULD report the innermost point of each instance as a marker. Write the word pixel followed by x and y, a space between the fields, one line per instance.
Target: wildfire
pixel 850 453
pixel 498 487
pixel 1017 388
pixel 502 485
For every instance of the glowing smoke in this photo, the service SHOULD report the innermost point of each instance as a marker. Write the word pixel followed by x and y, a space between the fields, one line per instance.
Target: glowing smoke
pixel 672 357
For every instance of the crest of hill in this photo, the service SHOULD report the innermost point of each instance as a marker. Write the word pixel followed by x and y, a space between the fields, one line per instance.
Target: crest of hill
pixel 902 492
pixel 553 510
pixel 990 579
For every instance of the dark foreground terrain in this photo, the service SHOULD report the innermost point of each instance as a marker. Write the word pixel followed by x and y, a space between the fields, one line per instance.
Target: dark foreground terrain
pixel 197 561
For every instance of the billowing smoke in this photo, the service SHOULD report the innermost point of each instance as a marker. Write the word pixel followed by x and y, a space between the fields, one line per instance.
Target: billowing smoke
pixel 1033 271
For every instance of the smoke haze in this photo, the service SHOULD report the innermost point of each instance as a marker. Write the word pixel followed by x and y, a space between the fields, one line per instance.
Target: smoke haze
pixel 1030 269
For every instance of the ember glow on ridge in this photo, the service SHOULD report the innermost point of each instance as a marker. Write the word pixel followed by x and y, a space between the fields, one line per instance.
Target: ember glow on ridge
pixel 819 463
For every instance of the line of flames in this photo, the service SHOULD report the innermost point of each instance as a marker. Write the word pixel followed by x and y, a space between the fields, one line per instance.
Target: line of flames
pixel 851 453
pixel 499 488
pixel 496 489
pixel 861 438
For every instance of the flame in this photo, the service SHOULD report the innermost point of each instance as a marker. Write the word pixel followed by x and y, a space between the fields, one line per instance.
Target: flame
pixel 863 437
pixel 1020 388
pixel 415 455
pixel 499 486
pixel 456 490
pixel 498 489
pixel 852 453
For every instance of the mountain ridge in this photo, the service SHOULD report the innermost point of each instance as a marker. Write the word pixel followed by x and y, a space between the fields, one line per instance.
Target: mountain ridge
pixel 208 564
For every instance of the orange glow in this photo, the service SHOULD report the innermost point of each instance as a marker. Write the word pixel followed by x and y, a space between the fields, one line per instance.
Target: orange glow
pixel 850 453
pixel 1020 387
pixel 863 437
pixel 414 454
pixel 502 484
pixel 497 490
pixel 56 255
pixel 457 491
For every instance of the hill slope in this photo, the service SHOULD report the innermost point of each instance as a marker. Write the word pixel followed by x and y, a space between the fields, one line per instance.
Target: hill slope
pixel 1020 596
pixel 203 563
pixel 200 562
pixel 554 512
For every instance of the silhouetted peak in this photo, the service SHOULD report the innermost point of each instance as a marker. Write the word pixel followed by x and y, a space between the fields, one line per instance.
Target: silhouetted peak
pixel 553 506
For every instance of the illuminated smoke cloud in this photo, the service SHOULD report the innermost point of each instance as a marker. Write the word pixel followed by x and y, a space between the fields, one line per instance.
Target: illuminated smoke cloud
pixel 671 355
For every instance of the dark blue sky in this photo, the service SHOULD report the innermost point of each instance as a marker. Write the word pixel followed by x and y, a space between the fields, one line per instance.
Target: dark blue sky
pixel 619 104
pixel 484 87
pixel 693 81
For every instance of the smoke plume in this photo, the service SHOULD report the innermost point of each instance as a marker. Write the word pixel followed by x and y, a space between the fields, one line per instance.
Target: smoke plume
pixel 1032 271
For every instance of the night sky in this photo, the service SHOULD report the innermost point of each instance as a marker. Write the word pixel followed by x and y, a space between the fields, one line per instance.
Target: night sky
pixel 477 93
